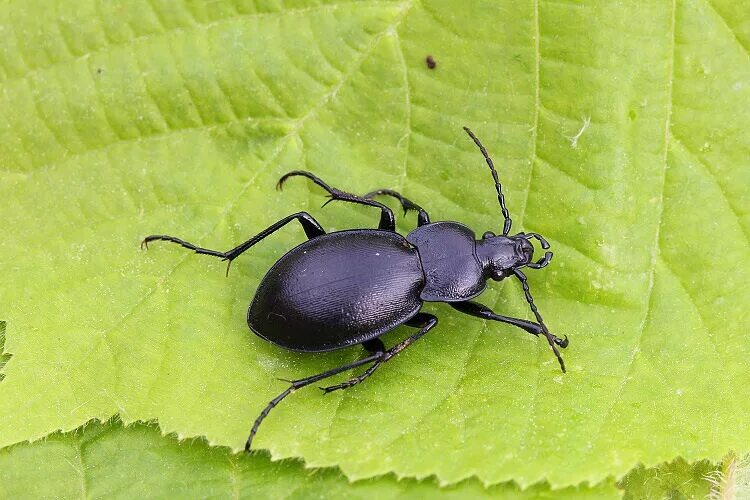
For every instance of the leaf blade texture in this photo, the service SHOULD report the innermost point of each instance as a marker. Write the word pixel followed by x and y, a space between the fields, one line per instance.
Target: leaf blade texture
pixel 620 134
pixel 111 461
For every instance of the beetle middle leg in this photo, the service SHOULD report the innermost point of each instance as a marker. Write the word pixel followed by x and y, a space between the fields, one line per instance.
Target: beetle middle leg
pixel 387 220
pixel 311 227
pixel 422 216
pixel 425 322
pixel 481 311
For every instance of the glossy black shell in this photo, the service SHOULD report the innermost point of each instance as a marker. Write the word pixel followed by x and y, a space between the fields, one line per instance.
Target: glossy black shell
pixel 337 290
pixel 449 259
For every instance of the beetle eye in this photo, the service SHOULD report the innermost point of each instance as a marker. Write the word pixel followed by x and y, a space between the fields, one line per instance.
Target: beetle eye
pixel 488 234
pixel 524 250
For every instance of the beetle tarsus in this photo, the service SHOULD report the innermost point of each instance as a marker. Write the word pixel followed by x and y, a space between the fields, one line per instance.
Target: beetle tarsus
pixel 557 354
pixel 182 243
pixel 550 338
pixel 359 378
pixel 423 217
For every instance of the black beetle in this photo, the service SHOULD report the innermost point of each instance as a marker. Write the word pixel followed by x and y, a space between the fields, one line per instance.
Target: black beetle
pixel 350 287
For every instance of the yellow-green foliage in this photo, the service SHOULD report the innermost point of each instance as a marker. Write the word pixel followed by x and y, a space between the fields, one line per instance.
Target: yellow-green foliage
pixel 621 131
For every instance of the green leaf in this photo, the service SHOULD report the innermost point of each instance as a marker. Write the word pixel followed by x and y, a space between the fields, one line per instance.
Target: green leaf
pixel 112 461
pixel 674 480
pixel 622 134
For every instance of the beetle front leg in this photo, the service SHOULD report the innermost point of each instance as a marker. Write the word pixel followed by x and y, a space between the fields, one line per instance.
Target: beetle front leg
pixel 481 311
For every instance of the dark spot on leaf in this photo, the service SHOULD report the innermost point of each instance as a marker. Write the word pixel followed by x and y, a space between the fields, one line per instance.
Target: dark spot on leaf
pixel 430 62
pixel 4 357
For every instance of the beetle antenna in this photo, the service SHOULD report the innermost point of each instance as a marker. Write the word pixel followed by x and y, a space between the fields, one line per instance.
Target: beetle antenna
pixel 498 187
pixel 550 337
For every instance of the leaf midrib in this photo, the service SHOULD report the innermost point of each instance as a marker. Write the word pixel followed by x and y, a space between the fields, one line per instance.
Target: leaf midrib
pixel 655 248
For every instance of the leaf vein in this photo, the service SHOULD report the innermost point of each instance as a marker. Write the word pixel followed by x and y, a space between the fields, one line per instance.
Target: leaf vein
pixel 715 178
pixel 579 181
pixel 740 43
pixel 655 245
pixel 407 128
pixel 78 448
pixel 537 104
pixel 112 44
pixel 521 221
pixel 405 8
pixel 451 390
pixel 692 302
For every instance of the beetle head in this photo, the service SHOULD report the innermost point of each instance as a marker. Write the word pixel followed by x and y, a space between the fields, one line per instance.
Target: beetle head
pixel 500 255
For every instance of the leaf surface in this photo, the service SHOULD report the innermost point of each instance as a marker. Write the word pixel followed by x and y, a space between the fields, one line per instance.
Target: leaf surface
pixel 622 133
pixel 677 479
pixel 112 461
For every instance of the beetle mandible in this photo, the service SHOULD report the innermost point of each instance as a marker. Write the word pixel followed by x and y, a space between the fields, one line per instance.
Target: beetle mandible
pixel 349 287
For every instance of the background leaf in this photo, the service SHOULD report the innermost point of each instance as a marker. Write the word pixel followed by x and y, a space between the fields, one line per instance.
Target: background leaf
pixel 677 480
pixel 112 461
pixel 109 460
pixel 622 135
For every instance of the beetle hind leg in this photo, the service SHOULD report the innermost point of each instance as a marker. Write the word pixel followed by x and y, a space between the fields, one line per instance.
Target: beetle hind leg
pixel 425 322
pixel 374 347
pixel 299 384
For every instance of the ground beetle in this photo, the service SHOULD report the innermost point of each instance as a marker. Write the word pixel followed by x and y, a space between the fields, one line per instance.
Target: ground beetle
pixel 350 287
